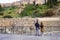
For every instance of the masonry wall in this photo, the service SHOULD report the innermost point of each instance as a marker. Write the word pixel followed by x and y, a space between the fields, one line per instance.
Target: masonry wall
pixel 27 25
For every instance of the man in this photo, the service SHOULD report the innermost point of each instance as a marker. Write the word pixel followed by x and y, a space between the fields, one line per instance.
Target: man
pixel 37 26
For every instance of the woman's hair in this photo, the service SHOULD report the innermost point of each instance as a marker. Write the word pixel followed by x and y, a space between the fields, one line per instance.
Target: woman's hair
pixel 41 23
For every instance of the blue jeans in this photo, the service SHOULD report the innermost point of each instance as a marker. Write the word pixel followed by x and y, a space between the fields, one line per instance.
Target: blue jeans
pixel 37 31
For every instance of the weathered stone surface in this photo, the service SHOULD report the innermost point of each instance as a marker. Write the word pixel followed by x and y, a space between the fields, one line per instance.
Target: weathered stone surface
pixel 27 25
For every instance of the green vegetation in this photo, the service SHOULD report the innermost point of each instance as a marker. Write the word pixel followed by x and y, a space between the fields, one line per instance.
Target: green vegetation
pixel 1 9
pixel 49 13
pixel 9 11
pixel 30 10
pixel 34 10
pixel 7 16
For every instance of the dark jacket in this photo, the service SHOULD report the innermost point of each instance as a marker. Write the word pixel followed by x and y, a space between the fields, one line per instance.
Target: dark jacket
pixel 37 25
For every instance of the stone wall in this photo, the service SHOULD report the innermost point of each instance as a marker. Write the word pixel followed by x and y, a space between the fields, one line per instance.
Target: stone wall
pixel 27 25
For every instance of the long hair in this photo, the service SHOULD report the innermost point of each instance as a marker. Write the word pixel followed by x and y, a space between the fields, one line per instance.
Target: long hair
pixel 42 25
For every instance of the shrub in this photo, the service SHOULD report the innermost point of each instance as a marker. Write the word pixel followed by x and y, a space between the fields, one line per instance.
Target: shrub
pixel 1 13
pixel 7 16
pixel 33 10
pixel 9 12
pixel 49 13
pixel 37 14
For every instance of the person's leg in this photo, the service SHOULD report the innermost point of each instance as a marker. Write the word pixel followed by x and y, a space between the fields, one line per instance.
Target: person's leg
pixel 42 31
pixel 37 32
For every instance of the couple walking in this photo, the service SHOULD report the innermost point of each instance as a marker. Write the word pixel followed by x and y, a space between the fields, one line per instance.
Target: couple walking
pixel 39 27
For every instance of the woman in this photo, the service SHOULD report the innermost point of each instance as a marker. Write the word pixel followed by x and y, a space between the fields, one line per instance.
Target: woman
pixel 42 27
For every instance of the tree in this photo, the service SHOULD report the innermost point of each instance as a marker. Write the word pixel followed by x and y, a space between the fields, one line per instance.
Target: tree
pixel 55 2
pixel 45 1
pixel 0 8
pixel 34 2
pixel 51 3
